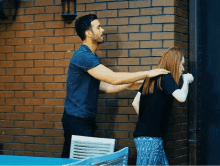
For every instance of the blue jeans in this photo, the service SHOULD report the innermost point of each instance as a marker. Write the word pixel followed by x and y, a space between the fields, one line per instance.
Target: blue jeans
pixel 150 151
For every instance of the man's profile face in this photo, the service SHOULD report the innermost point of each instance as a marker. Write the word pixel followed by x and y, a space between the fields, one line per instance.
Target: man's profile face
pixel 97 31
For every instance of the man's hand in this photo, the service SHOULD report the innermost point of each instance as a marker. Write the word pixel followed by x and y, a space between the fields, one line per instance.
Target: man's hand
pixel 156 72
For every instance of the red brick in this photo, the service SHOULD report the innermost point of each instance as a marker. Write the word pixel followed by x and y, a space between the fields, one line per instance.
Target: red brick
pixel 23 78
pixel 24 19
pixel 53 86
pixel 151 44
pixel 33 101
pixel 43 63
pixel 164 2
pixel 6 63
pixel 6 79
pixel 59 109
pixel 43 17
pixel 60 94
pixel 23 93
pixel 105 14
pixel 24 48
pixel 54 9
pixel 108 45
pixel 158 52
pixel 25 139
pixel 163 19
pixel 53 102
pixel 24 34
pixel 14 146
pixel 15 86
pixel 24 124
pixel 14 116
pixel 54 55
pixel 54 71
pixel 52 148
pixel 64 63
pixel 34 117
pixel 53 40
pixel 24 108
pixel 131 28
pixel 52 117
pixel 4 138
pixel 64 32
pixel 58 133
pixel 44 47
pixel 34 41
pixel 43 140
pixel 34 147
pixel 139 36
pixel 2 56
pixel 118 21
pixel 149 28
pixel 2 102
pixel 128 143
pixel 8 34
pixel 117 37
pixel 6 123
pixel 36 10
pixel 6 94
pixel 72 39
pixel 57 24
pixel 149 61
pixel 2 71
pixel 2 42
pixel 139 4
pixel 163 35
pixel 130 12
pixel 14 101
pixel 60 78
pixel 34 26
pixel 34 55
pixel 45 32
pixel 151 11
pixel 128 45
pixel 24 63
pixel 43 94
pixel 64 47
pixel 34 71
pixel 96 6
pixel 43 78
pixel 16 71
pixel 15 26
pixel 33 86
pixel 43 3
pixel 14 41
pixel 43 109
pixel 139 53
pixel 7 49
pixel 117 5
pixel 171 43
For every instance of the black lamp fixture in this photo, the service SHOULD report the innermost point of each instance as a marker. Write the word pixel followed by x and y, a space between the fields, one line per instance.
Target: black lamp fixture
pixel 69 10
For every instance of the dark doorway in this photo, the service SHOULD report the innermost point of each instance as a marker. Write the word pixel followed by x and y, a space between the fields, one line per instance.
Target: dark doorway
pixel 209 96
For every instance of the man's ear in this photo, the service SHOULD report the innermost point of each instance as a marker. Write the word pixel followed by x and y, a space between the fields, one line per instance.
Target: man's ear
pixel 88 33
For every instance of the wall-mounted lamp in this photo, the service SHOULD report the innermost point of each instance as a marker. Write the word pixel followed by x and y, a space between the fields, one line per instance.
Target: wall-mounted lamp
pixel 69 10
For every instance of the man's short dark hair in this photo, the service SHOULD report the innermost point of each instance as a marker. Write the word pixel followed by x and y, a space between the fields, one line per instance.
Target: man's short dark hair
pixel 83 23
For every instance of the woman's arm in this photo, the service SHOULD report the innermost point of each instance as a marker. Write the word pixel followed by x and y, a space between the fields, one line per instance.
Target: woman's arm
pixel 181 94
pixel 136 102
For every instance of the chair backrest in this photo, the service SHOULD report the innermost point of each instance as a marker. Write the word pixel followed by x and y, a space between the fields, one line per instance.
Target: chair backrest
pixel 117 158
pixel 87 161
pixel 83 147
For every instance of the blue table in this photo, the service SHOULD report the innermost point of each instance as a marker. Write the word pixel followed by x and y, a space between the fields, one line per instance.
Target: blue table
pixel 28 160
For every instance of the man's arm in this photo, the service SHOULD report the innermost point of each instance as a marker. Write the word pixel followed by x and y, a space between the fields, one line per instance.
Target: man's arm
pixel 109 88
pixel 104 74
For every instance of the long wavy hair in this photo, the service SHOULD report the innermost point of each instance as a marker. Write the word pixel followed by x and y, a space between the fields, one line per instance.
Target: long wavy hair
pixel 170 61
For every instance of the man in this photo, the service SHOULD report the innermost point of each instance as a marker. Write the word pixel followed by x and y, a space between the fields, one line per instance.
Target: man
pixel 86 76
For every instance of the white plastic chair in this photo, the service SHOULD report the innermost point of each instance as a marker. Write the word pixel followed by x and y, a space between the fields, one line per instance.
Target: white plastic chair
pixel 83 147
pixel 117 158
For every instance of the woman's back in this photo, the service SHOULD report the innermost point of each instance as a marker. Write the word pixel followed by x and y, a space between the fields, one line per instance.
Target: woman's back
pixel 154 109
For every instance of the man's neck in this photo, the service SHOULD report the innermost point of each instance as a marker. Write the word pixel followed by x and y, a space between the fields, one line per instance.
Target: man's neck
pixel 93 46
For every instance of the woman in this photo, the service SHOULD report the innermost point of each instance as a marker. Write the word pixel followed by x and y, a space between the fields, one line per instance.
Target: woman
pixel 157 95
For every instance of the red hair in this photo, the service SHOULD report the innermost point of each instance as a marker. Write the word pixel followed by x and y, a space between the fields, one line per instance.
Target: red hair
pixel 170 61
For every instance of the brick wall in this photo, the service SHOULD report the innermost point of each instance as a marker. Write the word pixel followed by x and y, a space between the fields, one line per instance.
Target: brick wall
pixel 34 55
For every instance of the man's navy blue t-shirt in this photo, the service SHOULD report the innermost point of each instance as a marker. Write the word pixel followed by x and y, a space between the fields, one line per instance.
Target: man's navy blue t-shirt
pixel 154 109
pixel 82 89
